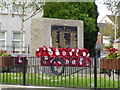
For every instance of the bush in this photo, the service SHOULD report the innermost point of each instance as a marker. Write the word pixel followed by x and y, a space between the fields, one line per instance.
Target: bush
pixel 4 53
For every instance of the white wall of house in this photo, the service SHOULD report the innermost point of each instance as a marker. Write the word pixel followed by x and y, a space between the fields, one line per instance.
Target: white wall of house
pixel 106 39
pixel 11 24
pixel 106 19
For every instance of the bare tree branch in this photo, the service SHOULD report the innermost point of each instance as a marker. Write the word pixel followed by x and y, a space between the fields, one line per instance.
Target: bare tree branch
pixel 33 15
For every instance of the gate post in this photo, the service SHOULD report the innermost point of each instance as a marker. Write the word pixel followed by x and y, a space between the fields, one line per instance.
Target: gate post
pixel 24 70
pixel 95 73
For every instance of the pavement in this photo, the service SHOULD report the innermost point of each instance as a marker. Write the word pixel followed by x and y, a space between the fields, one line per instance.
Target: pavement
pixel 20 87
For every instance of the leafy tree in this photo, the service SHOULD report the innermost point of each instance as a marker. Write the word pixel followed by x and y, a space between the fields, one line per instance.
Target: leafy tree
pixel 114 7
pixel 86 11
pixel 108 30
pixel 24 9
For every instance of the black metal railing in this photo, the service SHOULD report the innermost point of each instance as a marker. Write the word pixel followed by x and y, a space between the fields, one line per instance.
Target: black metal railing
pixel 16 49
pixel 59 72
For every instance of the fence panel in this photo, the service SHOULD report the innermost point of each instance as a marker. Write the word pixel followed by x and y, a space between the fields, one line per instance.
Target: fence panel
pixel 60 72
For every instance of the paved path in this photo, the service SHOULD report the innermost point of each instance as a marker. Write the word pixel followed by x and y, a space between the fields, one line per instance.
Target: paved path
pixel 18 87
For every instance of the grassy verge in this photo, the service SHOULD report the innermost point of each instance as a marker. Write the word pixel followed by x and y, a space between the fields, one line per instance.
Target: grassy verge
pixel 47 80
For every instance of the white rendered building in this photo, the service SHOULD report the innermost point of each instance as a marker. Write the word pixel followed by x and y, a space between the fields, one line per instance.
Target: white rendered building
pixel 10 32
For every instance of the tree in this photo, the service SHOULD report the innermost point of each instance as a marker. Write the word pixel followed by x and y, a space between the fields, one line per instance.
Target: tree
pixel 86 11
pixel 108 30
pixel 114 7
pixel 24 9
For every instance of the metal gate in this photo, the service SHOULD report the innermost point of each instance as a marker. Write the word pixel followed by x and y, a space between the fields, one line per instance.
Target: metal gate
pixel 30 71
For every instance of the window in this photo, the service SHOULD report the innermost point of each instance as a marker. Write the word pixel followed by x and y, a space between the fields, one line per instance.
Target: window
pixel 3 40
pixel 16 42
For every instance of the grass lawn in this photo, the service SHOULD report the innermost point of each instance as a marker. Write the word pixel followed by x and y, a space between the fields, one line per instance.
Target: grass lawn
pixel 68 81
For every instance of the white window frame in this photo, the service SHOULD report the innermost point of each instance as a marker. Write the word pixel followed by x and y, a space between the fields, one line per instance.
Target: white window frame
pixel 3 39
pixel 16 40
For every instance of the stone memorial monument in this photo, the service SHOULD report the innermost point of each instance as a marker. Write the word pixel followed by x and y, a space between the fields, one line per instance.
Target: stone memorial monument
pixel 57 33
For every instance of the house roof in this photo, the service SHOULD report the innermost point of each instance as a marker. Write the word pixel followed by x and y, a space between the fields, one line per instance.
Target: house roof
pixel 101 25
pixel 103 18
pixel 112 18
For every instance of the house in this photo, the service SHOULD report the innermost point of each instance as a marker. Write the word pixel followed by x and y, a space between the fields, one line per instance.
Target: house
pixel 10 32
pixel 105 40
pixel 109 19
pixel 102 40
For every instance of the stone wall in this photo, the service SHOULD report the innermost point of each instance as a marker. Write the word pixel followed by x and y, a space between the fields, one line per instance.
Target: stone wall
pixel 41 31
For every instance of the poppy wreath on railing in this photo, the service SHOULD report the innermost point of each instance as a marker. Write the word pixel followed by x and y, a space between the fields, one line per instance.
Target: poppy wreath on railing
pixel 70 56
pixel 87 62
pixel 21 60
pixel 39 52
pixel 45 59
pixel 84 52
